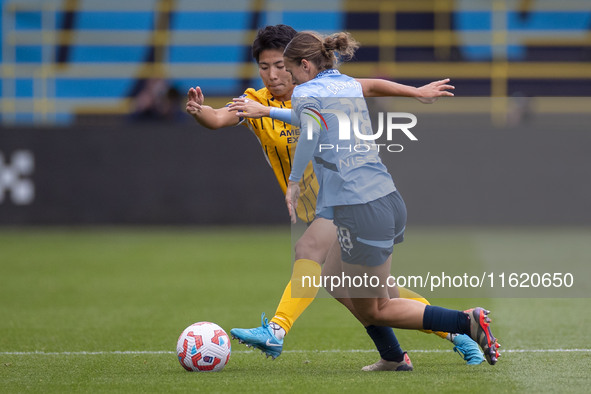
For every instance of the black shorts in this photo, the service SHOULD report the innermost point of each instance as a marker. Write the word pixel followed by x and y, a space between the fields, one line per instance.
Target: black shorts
pixel 367 232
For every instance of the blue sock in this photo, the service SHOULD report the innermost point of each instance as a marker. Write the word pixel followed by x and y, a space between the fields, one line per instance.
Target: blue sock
pixel 386 343
pixel 437 318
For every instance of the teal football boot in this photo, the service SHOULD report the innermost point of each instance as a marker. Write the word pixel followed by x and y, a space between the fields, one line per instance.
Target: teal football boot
pixel 261 338
pixel 468 349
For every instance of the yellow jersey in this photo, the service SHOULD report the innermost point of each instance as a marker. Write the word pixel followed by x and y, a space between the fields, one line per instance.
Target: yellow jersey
pixel 278 141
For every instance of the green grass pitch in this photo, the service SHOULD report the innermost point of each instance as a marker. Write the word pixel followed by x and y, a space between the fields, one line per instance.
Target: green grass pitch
pixel 100 310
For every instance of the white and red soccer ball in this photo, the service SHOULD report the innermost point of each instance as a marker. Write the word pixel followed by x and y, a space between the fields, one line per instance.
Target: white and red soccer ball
pixel 203 346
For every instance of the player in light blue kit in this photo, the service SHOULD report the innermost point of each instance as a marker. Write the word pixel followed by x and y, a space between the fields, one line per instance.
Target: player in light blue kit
pixel 357 192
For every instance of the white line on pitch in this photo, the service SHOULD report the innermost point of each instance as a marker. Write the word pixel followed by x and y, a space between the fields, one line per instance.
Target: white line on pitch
pixel 150 352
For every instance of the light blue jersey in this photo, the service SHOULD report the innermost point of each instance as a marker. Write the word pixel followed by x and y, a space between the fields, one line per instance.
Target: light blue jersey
pixel 347 165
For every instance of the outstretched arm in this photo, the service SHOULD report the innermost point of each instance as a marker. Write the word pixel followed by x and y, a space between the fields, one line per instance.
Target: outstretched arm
pixel 303 155
pixel 426 94
pixel 245 108
pixel 207 116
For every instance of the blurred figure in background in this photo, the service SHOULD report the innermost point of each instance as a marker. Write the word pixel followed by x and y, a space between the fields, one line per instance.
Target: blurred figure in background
pixel 157 100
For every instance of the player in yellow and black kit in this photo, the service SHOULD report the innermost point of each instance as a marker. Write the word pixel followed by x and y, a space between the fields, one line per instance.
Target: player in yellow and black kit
pixel 278 141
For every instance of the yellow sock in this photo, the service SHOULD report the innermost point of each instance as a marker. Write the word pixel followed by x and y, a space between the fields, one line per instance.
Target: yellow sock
pixel 297 294
pixel 406 293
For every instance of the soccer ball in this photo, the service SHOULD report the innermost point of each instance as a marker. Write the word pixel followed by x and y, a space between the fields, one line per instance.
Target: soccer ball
pixel 203 346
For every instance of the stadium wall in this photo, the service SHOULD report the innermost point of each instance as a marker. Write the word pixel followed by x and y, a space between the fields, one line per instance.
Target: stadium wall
pixel 459 172
pixel 141 174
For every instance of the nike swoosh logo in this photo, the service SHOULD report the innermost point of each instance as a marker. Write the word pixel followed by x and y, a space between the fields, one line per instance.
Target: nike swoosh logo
pixel 271 344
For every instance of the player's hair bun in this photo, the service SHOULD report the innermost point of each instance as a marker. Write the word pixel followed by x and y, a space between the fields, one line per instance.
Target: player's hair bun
pixel 321 50
pixel 342 43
